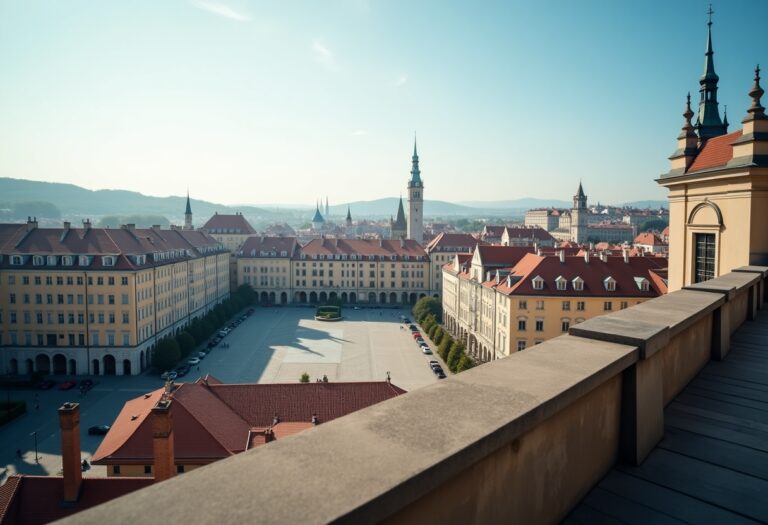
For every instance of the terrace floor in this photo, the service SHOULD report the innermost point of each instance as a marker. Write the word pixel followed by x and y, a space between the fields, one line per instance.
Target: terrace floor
pixel 712 465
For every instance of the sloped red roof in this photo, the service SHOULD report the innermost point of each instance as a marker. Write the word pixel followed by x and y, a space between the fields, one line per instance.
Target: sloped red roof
pixel 650 239
pixel 503 255
pixel 33 500
pixel 225 223
pixel 258 246
pixel 529 232
pixel 593 273
pixel 363 247
pixel 453 242
pixel 716 152
pixel 214 420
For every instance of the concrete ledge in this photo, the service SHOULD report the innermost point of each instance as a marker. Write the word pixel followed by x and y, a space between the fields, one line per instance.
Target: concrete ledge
pixel 762 270
pixel 727 284
pixel 648 337
pixel 367 466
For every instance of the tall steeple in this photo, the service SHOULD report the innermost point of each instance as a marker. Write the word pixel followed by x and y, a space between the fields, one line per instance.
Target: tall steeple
pixel 188 215
pixel 327 208
pixel 349 216
pixel 398 227
pixel 415 199
pixel 708 123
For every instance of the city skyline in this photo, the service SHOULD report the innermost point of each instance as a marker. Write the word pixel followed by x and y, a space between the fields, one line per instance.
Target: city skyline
pixel 277 101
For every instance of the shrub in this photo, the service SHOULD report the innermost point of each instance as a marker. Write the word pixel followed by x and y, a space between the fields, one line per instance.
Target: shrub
pixel 457 350
pixel 186 342
pixel 465 363
pixel 166 354
pixel 433 330
pixel 445 346
pixel 304 378
pixel 439 334
pixel 426 306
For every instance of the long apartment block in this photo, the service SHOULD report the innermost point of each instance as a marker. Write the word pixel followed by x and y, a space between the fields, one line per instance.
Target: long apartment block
pixel 97 300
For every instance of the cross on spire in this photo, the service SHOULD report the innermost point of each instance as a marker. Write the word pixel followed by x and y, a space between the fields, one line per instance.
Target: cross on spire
pixel 710 13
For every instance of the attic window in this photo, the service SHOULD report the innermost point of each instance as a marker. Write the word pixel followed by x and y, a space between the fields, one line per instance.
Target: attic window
pixel 66 260
pixel 84 260
pixel 578 284
pixel 51 260
pixel 108 260
pixel 642 284
pixel 17 260
pixel 38 260
pixel 283 253
pixel 610 284
pixel 562 283
pixel 538 283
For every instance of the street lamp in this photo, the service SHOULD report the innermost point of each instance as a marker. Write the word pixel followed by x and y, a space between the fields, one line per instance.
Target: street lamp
pixel 37 458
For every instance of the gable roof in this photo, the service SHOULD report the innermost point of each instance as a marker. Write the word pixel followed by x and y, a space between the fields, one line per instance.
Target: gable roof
pixel 650 239
pixel 499 256
pixel 452 242
pixel 254 246
pixel 364 247
pixel 227 223
pixel 716 152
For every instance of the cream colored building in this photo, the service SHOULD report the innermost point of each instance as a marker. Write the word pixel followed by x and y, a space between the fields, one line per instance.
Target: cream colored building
pixel 97 301
pixel 354 271
pixel 718 188
pixel 539 297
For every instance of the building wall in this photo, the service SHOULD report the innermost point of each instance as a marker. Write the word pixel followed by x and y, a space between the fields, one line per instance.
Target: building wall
pixel 140 471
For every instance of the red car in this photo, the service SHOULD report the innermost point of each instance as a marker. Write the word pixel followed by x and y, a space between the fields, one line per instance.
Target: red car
pixel 67 385
pixel 416 335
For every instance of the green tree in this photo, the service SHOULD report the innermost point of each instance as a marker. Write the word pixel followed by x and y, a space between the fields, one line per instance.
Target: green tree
pixel 433 330
pixel 457 350
pixel 427 305
pixel 246 293
pixel 304 378
pixel 186 343
pixel 438 337
pixel 445 346
pixel 465 363
pixel 166 354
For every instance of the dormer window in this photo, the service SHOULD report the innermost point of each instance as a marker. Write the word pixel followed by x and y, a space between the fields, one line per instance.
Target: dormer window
pixel 578 284
pixel 17 260
pixel 283 253
pixel 66 260
pixel 38 260
pixel 610 284
pixel 51 260
pixel 642 284
pixel 108 260
pixel 84 260
pixel 562 283
pixel 538 283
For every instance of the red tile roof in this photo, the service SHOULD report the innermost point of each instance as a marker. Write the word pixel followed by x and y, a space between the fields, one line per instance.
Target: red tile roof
pixel 224 223
pixel 363 247
pixel 453 242
pixel 529 232
pixel 593 274
pixel 716 152
pixel 33 500
pixel 267 246
pixel 650 239
pixel 502 255
pixel 214 421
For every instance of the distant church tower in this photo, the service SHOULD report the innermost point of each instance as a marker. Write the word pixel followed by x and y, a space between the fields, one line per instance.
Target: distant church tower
pixel 188 216
pixel 318 222
pixel 415 200
pixel 398 229
pixel 327 208
pixel 579 217
pixel 350 233
pixel 708 123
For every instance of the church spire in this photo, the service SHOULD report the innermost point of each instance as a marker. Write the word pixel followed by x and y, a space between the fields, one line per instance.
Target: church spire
pixel 188 214
pixel 349 214
pixel 415 172
pixel 708 123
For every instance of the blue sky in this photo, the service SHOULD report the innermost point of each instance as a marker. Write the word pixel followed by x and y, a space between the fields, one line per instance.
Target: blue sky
pixel 246 101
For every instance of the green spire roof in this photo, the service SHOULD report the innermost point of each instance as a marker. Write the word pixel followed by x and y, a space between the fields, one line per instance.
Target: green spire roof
pixel 415 172
pixel 189 206
pixel 708 122
pixel 349 214
pixel 400 224
pixel 318 217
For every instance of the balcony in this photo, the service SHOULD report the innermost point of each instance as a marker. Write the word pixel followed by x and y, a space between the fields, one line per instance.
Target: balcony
pixel 641 412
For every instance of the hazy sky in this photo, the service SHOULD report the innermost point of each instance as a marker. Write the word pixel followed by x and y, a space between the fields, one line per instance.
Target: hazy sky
pixel 247 101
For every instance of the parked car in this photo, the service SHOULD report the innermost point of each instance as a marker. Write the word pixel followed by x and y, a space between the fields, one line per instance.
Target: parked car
pixel 194 361
pixel 86 384
pixel 201 355
pixel 425 350
pixel 416 335
pixel 420 341
pixel 168 375
pixel 407 321
pixel 46 384
pixel 413 328
pixel 182 370
pixel 440 374
pixel 438 370
pixel 98 430
pixel 250 311
pixel 67 385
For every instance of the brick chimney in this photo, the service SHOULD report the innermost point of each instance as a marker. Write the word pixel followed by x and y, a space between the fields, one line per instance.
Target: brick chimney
pixel 69 422
pixel 162 440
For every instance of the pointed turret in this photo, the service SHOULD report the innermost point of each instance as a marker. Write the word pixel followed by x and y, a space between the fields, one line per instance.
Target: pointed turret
pixel 415 229
pixel 399 226
pixel 415 172
pixel 708 123
pixel 188 215
pixel 756 111
pixel 318 221
pixel 349 216
pixel 687 141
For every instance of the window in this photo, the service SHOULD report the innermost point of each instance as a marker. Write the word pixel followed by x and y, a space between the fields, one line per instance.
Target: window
pixel 521 323
pixel 539 305
pixel 115 469
pixel 578 284
pixel 124 280
pixel 180 469
pixel 704 268
pixel 520 345
pixel 566 306
pixel 522 305
pixel 561 283
pixel 623 305
pixel 538 283
pixel 147 469
pixel 580 306
pixel 610 284
pixel 565 325
pixel 607 306
pixel 539 325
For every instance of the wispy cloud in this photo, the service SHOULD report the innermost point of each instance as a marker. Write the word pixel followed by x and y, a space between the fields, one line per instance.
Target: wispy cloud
pixel 400 81
pixel 359 133
pixel 220 9
pixel 323 55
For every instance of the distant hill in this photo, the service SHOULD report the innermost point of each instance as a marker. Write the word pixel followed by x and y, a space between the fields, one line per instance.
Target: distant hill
pixel 518 204
pixel 388 206
pixel 647 204
pixel 74 201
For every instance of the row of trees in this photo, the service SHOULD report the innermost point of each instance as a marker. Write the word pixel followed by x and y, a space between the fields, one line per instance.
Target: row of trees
pixel 427 312
pixel 170 349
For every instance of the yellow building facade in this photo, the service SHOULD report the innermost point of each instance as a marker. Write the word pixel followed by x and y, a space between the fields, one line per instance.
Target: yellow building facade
pixel 96 301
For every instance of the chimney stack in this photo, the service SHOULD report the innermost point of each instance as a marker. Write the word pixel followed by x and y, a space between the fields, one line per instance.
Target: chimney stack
pixel 67 225
pixel 586 256
pixel 626 255
pixel 562 256
pixel 69 422
pixel 162 440
pixel 86 224
pixel 31 223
